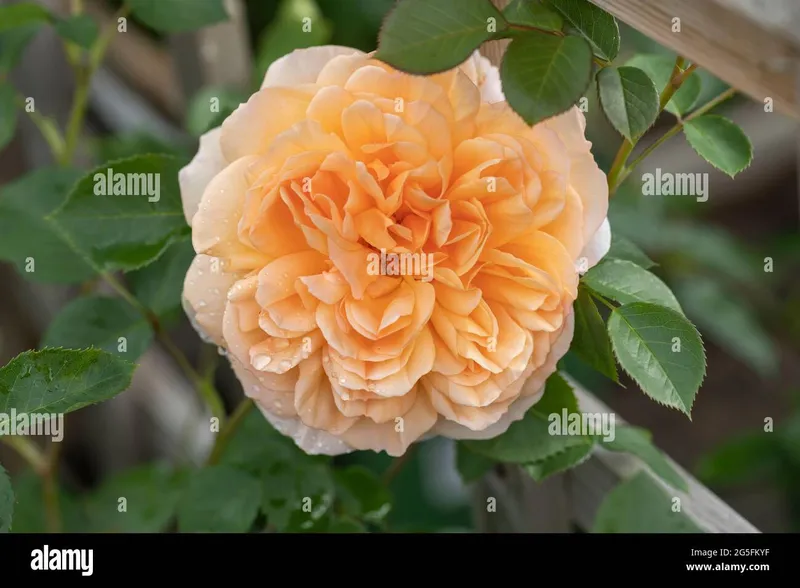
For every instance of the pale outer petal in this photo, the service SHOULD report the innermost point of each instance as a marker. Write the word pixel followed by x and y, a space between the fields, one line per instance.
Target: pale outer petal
pixel 199 172
pixel 598 245
pixel 205 294
pixel 486 76
pixel 302 66
pixel 312 441
pixel 520 406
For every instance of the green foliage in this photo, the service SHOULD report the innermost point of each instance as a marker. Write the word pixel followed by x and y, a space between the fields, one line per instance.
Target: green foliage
pixel 21 14
pixel 639 505
pixel 362 494
pixel 625 249
pixel 13 43
pixel 124 231
pixel 298 24
pixel 472 466
pixel 8 114
pixel 530 439
pixel 533 14
pixel 728 320
pixel 61 380
pixel 429 36
pixel 6 501
pixel 159 285
pixel 661 350
pixel 544 75
pixel 560 462
pixel 590 341
pixel 176 16
pixel 110 324
pixel 80 29
pixel 720 142
pixel 626 282
pixel 629 99
pixel 219 499
pixel 593 23
pixel 29 515
pixel 659 68
pixel 25 234
pixel 140 500
pixel 210 107
pixel 636 441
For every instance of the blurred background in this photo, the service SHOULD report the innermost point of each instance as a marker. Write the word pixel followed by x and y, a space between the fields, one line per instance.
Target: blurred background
pixel 153 95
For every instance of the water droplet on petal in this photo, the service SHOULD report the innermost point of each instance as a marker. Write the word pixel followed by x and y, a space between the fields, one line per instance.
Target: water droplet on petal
pixel 260 362
pixel 342 380
pixel 286 365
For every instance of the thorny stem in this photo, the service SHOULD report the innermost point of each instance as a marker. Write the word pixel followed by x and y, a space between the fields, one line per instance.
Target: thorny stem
pixel 619 170
pixel 227 431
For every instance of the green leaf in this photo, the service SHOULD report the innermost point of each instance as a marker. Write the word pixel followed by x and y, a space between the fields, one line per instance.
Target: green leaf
pixel 728 322
pixel 430 36
pixel 61 380
pixel 159 285
pixel 629 99
pixel 626 282
pixel 590 341
pixel 560 462
pixel 219 499
pixel 636 441
pixel 661 350
pixel 625 249
pixel 27 239
pixel 81 29
pixel 110 324
pixel 177 16
pixel 210 107
pixel 127 223
pixel 151 494
pixel 21 14
pixel 720 142
pixel 362 494
pixel 296 497
pixel 297 25
pixel 544 75
pixel 256 447
pixel 13 43
pixel 593 23
pixel 533 14
pixel 6 501
pixel 639 505
pixel 659 68
pixel 8 114
pixel 126 145
pixel 472 466
pixel 535 437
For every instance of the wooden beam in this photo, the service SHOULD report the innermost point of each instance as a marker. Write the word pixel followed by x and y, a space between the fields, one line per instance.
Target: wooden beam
pixel 750 44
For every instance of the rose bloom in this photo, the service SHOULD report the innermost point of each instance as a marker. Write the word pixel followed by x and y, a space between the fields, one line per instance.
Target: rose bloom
pixel 338 159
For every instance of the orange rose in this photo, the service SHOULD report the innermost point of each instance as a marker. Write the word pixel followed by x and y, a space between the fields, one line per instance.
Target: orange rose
pixel 385 256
